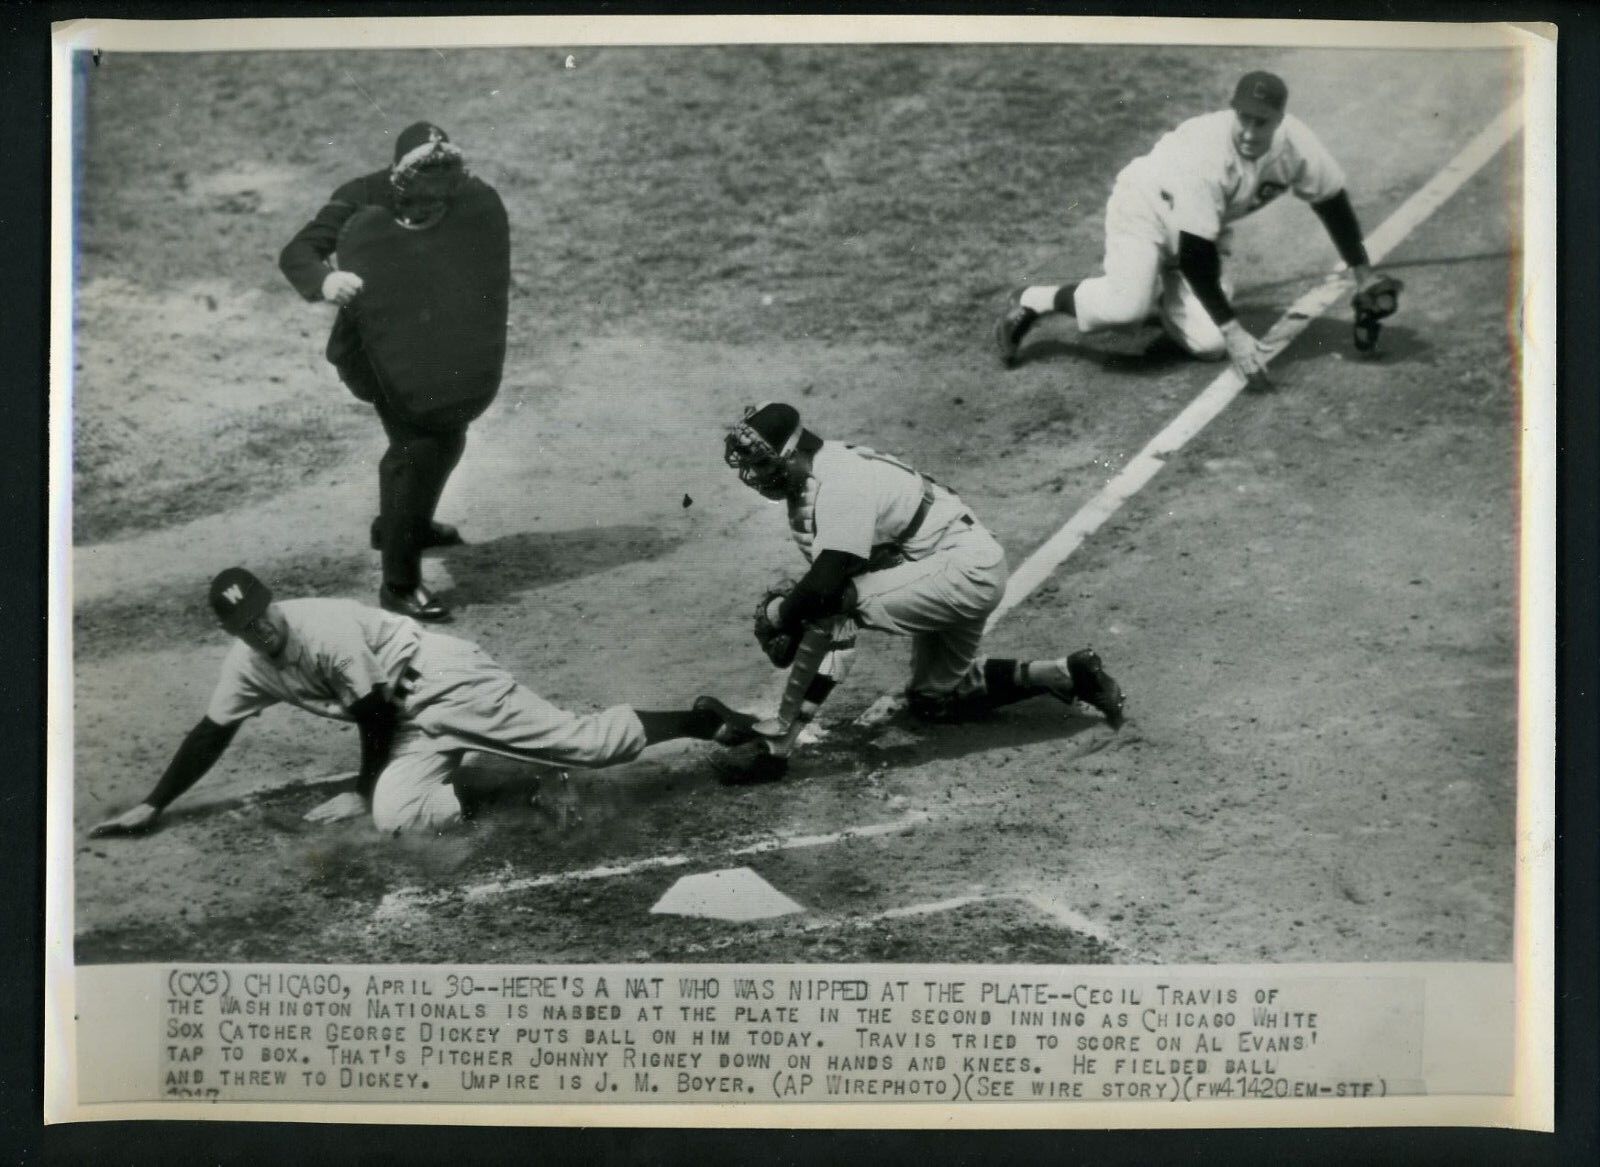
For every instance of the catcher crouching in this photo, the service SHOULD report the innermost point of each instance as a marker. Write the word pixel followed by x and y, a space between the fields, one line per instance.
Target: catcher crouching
pixel 890 549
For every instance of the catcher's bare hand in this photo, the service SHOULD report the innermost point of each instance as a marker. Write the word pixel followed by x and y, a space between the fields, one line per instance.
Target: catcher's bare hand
pixel 340 287
pixel 340 807
pixel 134 821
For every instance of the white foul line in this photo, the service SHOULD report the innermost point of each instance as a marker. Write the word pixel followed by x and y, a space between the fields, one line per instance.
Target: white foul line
pixel 1216 397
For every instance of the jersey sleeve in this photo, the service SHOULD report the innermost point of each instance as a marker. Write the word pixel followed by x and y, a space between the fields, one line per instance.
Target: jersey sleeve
pixel 239 693
pixel 353 668
pixel 1197 205
pixel 1318 175
pixel 846 511
pixel 1189 166
pixel 304 259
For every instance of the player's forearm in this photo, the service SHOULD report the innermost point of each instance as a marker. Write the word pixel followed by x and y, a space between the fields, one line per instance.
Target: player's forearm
pixel 376 720
pixel 1201 264
pixel 821 591
pixel 201 748
pixel 1339 218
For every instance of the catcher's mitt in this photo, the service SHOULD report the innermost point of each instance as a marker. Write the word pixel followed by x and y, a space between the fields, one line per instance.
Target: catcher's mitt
pixel 1372 304
pixel 780 646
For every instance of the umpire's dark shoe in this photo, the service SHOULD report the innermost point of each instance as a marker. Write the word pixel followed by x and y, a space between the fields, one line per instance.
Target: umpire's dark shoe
pixel 439 535
pixel 1009 331
pixel 749 765
pixel 1092 685
pixel 417 602
pixel 735 729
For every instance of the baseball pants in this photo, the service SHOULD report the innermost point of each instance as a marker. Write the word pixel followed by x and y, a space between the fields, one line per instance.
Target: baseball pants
pixel 411 477
pixel 942 602
pixel 1141 276
pixel 460 700
pixel 411 474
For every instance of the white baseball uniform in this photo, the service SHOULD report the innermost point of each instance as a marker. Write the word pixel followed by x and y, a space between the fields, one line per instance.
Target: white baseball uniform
pixel 938 586
pixel 450 695
pixel 1193 180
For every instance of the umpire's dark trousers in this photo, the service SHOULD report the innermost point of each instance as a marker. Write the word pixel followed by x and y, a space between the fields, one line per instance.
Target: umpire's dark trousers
pixel 411 477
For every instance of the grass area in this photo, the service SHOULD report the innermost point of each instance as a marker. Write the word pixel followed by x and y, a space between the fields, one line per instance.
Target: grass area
pixel 731 195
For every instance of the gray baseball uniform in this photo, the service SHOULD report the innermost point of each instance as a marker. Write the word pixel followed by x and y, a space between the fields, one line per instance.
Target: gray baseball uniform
pixel 451 698
pixel 937 586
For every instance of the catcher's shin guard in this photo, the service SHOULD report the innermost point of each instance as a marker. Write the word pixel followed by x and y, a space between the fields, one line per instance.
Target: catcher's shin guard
pixel 802 697
pixel 761 752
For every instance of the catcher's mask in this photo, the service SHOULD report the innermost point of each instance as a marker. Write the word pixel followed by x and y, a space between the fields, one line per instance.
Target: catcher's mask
pixel 427 172
pixel 760 445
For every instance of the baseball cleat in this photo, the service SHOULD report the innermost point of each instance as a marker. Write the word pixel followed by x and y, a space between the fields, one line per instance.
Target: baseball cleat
pixel 749 765
pixel 439 535
pixel 1009 331
pixel 1092 685
pixel 736 728
pixel 417 602
pixel 944 709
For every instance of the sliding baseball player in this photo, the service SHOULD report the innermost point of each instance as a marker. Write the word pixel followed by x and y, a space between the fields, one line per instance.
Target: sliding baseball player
pixel 421 701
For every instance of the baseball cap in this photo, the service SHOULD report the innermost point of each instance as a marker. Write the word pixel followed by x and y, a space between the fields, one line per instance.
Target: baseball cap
pixel 1261 95
pixel 415 135
pixel 237 597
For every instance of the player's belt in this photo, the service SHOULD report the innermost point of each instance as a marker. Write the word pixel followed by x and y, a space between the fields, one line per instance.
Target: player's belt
pixel 920 517
pixel 915 524
pixel 888 554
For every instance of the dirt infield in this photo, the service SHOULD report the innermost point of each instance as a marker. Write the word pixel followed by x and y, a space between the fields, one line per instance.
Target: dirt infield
pixel 1312 607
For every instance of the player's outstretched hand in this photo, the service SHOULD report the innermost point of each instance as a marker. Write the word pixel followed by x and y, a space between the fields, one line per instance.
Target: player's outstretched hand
pixel 348 805
pixel 1244 351
pixel 135 821
pixel 340 287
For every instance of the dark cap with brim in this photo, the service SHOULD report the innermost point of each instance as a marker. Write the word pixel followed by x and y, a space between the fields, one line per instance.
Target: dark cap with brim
pixel 237 597
pixel 1261 95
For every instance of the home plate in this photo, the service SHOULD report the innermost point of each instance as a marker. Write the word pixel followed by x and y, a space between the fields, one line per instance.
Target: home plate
pixel 736 893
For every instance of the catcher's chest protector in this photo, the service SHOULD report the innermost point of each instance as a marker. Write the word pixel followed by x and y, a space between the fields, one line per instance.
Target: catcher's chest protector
pixel 432 311
pixel 803 517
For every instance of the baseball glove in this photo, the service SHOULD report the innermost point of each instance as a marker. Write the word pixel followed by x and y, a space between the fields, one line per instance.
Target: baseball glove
pixel 1373 304
pixel 780 646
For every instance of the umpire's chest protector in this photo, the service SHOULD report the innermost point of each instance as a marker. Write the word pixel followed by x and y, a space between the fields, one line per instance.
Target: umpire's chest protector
pixel 433 304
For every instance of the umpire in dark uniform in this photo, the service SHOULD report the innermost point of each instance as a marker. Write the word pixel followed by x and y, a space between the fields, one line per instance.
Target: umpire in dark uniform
pixel 392 217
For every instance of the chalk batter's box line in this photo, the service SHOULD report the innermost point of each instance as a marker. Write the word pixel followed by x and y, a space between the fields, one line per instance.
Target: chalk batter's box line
pixel 399 902
pixel 402 900
pixel 1045 905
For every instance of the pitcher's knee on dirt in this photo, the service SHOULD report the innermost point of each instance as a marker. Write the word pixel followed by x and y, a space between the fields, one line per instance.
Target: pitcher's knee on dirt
pixel 1186 320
